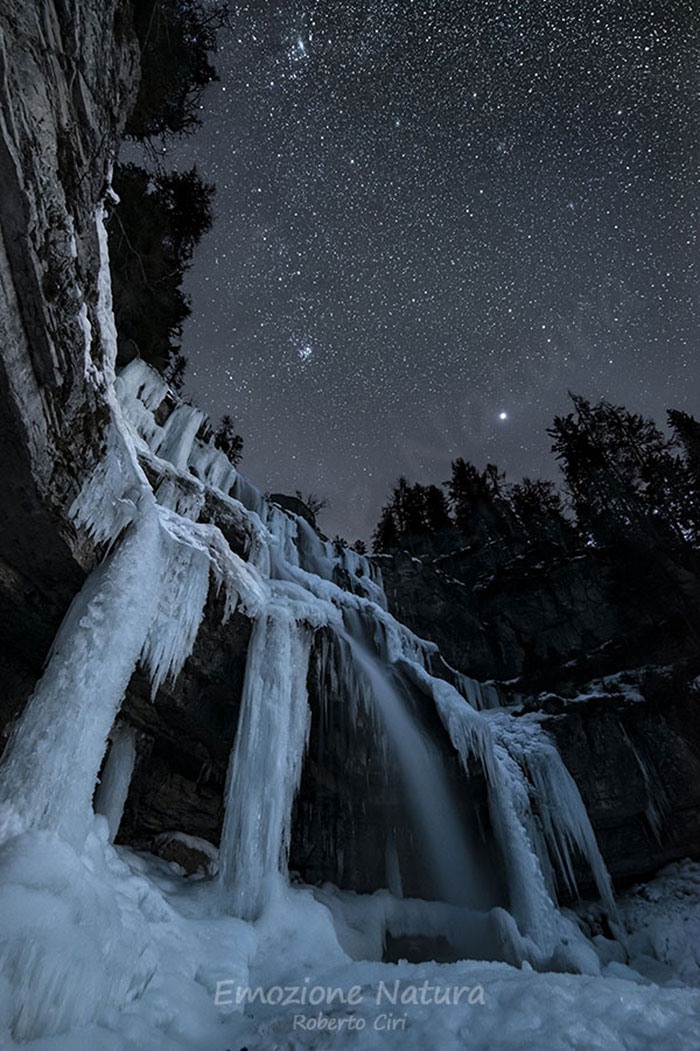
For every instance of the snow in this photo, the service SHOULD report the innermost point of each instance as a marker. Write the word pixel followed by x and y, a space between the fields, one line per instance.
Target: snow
pixel 180 976
pixel 148 950
pixel 662 920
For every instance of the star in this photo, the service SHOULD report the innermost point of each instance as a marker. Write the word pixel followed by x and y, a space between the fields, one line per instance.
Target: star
pixel 431 193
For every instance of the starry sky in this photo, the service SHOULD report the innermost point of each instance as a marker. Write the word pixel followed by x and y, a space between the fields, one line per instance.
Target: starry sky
pixel 432 220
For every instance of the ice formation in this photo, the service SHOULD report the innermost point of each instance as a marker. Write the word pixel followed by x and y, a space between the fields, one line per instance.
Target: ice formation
pixel 111 792
pixel 266 760
pixel 51 763
pixel 144 603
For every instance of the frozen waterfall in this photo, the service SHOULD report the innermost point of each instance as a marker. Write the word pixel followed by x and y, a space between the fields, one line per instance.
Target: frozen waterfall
pixel 145 601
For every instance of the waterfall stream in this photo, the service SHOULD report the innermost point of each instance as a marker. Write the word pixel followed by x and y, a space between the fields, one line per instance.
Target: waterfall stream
pixel 440 832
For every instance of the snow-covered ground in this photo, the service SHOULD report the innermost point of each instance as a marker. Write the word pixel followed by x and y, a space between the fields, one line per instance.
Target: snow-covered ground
pixel 91 915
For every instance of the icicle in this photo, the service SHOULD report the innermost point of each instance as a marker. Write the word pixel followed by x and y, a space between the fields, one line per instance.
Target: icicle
pixel 138 381
pixel 505 757
pixel 140 391
pixel 313 556
pixel 178 435
pixel 283 529
pixel 105 316
pixel 111 496
pixel 293 578
pixel 51 762
pixel 265 765
pixel 564 818
pixel 248 495
pixel 509 804
pixel 179 611
pixel 531 902
pixel 113 788
pixel 481 695
pixel 184 498
pixel 212 466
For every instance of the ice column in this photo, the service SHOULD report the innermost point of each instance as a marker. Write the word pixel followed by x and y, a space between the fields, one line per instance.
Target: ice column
pixel 266 761
pixel 113 788
pixel 52 760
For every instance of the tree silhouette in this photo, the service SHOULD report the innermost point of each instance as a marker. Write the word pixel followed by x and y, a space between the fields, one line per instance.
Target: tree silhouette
pixel 176 38
pixel 539 511
pixel 314 503
pixel 386 536
pixel 436 509
pixel 620 472
pixel 478 500
pixel 686 430
pixel 226 439
pixel 152 235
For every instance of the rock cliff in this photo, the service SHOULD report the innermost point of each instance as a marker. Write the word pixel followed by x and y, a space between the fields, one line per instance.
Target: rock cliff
pixel 69 74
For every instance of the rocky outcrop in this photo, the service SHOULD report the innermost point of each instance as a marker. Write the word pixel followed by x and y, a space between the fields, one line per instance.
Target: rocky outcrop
pixel 543 616
pixel 633 747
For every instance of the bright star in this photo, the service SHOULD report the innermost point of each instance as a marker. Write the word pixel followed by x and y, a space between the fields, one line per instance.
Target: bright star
pixel 503 415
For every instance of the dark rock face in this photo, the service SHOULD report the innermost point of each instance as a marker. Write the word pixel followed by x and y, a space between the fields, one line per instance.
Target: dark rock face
pixel 637 765
pixel 542 617
pixel 193 856
pixel 69 75
pixel 185 736
pixel 295 505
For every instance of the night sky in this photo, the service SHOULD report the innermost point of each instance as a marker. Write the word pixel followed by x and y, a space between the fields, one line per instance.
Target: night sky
pixel 432 220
